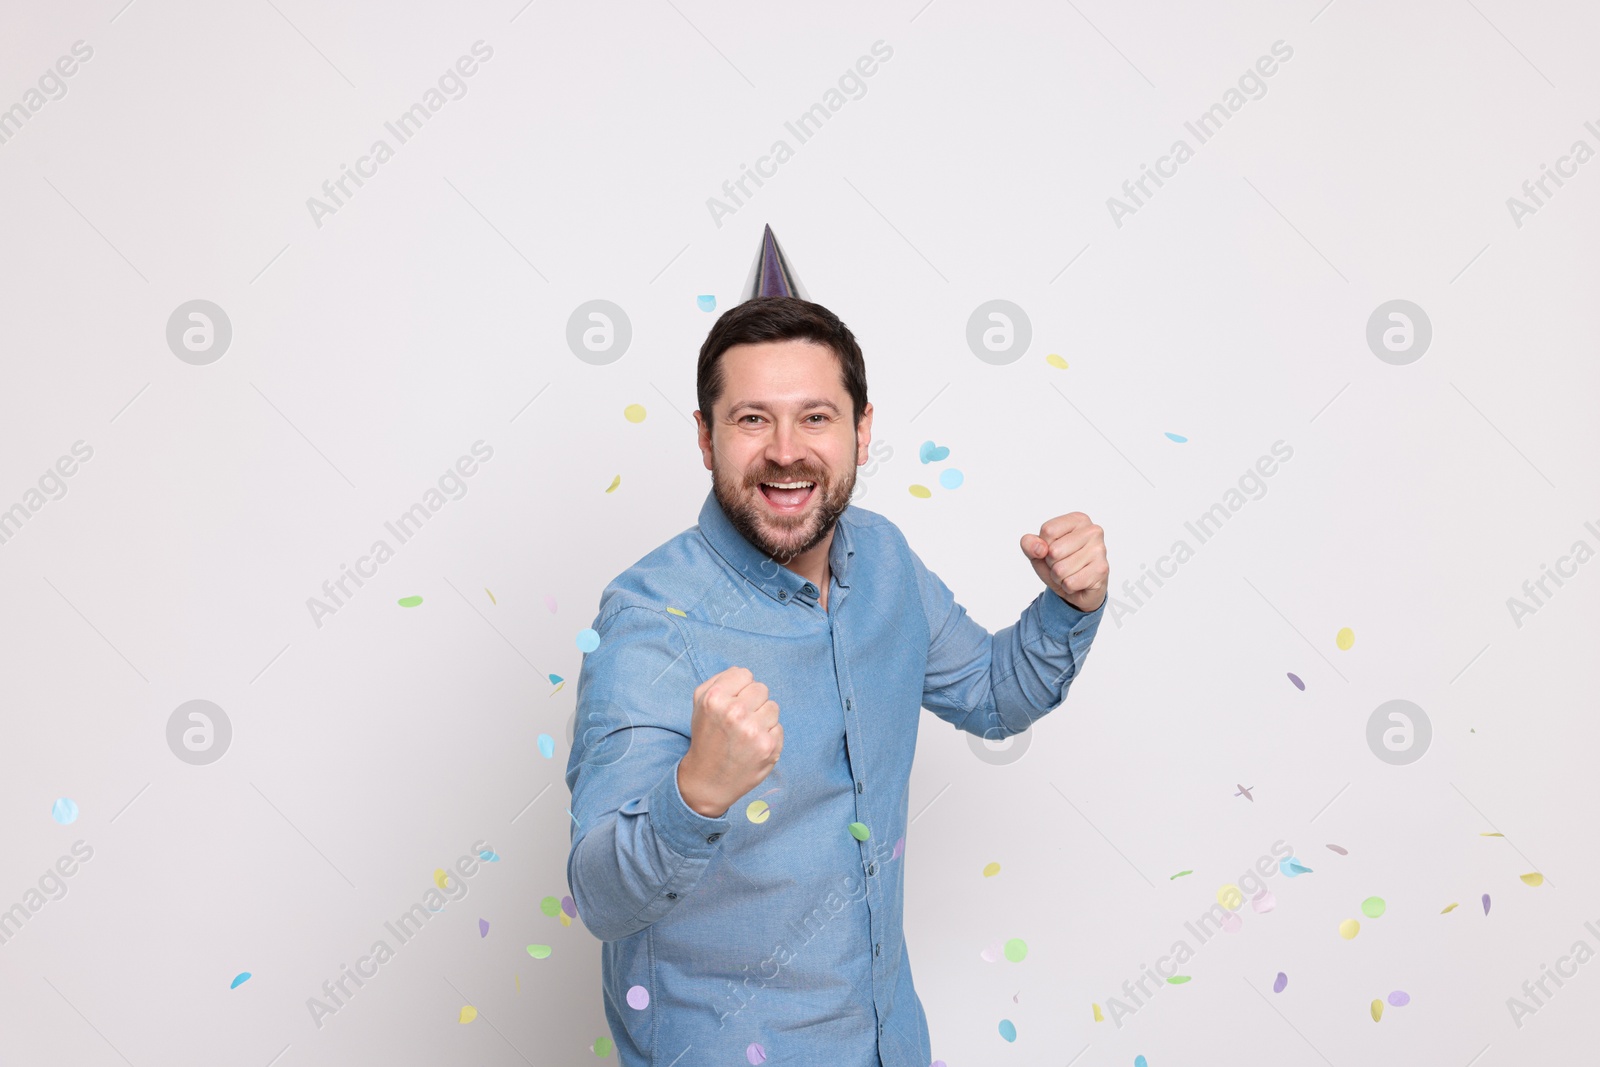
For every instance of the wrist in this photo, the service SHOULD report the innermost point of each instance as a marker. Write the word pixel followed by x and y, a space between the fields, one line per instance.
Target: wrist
pixel 693 795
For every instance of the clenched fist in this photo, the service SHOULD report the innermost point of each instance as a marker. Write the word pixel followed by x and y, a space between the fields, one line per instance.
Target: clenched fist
pixel 734 741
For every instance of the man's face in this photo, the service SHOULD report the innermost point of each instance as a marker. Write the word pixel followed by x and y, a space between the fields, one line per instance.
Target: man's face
pixel 783 416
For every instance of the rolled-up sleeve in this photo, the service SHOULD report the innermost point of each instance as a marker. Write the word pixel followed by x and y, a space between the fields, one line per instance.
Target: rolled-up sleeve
pixel 637 847
pixel 997 685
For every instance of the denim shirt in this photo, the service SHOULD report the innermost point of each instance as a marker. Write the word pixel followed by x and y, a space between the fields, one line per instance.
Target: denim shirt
pixel 778 924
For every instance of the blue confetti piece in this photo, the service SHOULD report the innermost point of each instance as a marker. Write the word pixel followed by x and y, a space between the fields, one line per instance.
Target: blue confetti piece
pixel 555 679
pixel 239 979
pixel 1178 437
pixel 588 640
pixel 707 303
pixel 931 453
pixel 1008 1030
pixel 489 855
pixel 1139 1061
pixel 64 811
pixel 951 478
pixel 1291 866
pixel 547 746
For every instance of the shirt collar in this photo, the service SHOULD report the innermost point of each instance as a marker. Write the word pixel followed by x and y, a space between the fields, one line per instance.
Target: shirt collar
pixel 766 574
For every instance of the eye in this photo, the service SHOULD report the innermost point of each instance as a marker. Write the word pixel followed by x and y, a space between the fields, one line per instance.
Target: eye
pixel 819 415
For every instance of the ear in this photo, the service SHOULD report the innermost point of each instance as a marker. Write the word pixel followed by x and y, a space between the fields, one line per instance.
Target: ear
pixel 863 435
pixel 703 439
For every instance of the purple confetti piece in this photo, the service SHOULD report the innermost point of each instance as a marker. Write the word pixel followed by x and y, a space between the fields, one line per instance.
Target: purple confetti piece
pixel 483 927
pixel 899 847
pixel 1280 983
pixel 1399 998
pixel 1486 903
pixel 569 906
pixel 638 998
pixel 1298 684
pixel 755 1053
pixel 1339 850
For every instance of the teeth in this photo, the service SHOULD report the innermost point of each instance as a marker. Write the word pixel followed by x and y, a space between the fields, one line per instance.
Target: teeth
pixel 787 485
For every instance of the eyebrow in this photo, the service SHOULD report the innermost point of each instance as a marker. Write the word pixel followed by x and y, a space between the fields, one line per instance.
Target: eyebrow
pixel 811 402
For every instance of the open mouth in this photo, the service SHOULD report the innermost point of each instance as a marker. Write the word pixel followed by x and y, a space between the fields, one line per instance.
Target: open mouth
pixel 785 500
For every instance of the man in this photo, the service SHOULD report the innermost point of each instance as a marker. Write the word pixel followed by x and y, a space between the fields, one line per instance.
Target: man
pixel 745 873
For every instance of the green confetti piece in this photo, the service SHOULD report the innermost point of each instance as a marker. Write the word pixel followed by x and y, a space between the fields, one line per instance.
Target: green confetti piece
pixel 1177 979
pixel 1180 874
pixel 602 1046
pixel 1373 907
pixel 538 952
pixel 410 601
pixel 859 831
pixel 551 906
pixel 1016 949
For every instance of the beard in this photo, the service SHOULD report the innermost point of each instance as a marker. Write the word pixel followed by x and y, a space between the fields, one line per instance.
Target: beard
pixel 782 537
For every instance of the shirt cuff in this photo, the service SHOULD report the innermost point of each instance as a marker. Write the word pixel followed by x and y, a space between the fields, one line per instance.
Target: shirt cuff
pixel 1064 623
pixel 685 830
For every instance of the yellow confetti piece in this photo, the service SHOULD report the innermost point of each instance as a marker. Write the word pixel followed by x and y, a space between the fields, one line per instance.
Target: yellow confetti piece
pixel 1492 835
pixel 633 412
pixel 492 600
pixel 468 1013
pixel 757 811
pixel 921 492
pixel 1377 1010
pixel 991 869
pixel 1533 879
pixel 1451 908
pixel 614 483
pixel 1099 1018
pixel 1230 897
pixel 680 614
pixel 1345 638
pixel 518 977
pixel 1056 361
pixel 440 878
pixel 566 920
pixel 557 689
pixel 1349 928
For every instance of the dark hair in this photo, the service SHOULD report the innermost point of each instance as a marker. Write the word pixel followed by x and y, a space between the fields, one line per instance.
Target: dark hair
pixel 779 318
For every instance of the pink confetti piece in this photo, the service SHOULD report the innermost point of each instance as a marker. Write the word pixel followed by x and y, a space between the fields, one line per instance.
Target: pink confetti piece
pixel 1341 851
pixel 755 1053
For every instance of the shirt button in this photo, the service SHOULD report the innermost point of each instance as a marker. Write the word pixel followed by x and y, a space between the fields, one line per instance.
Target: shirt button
pixel 1075 633
pixel 810 588
pixel 860 787
pixel 712 837
pixel 872 868
pixel 672 896
pixel 783 594
pixel 847 704
pixel 877 950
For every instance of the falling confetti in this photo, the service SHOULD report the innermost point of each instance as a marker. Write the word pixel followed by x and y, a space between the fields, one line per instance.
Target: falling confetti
pixel 1230 897
pixel 1492 834
pixel 558 689
pixel 1533 879
pixel 538 952
pixel 551 906
pixel 633 412
pixel 1339 849
pixel 1373 907
pixel 468 1013
pixel 1056 361
pixel 1016 998
pixel 1177 437
pixel 1244 792
pixel 1349 928
pixel 441 878
pixel 921 492
pixel 680 614
pixel 547 746
pixel 550 602
pixel 1450 908
pixel 859 831
pixel 706 302
pixel 755 1053
pixel 950 478
pixel 1280 983
pixel 1298 684
pixel 1486 903
pixel 1292 866
pixel 1232 924
pixel 569 907
pixel 757 811
pixel 239 979
pixel 1178 979
pixel 489 856
pixel 1264 901
pixel 1180 874
pixel 492 600
pixel 1344 639
pixel 555 679
pixel 931 453
pixel 64 811
pixel 614 483
pixel 1139 1061
pixel 991 869
pixel 566 920
pixel 1399 998
pixel 409 601
pixel 483 927
pixel 1008 1029
pixel 1016 950
pixel 1099 1017
pixel 991 953
pixel 899 847
pixel 1377 1010
pixel 602 1046
pixel 588 639
pixel 638 998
